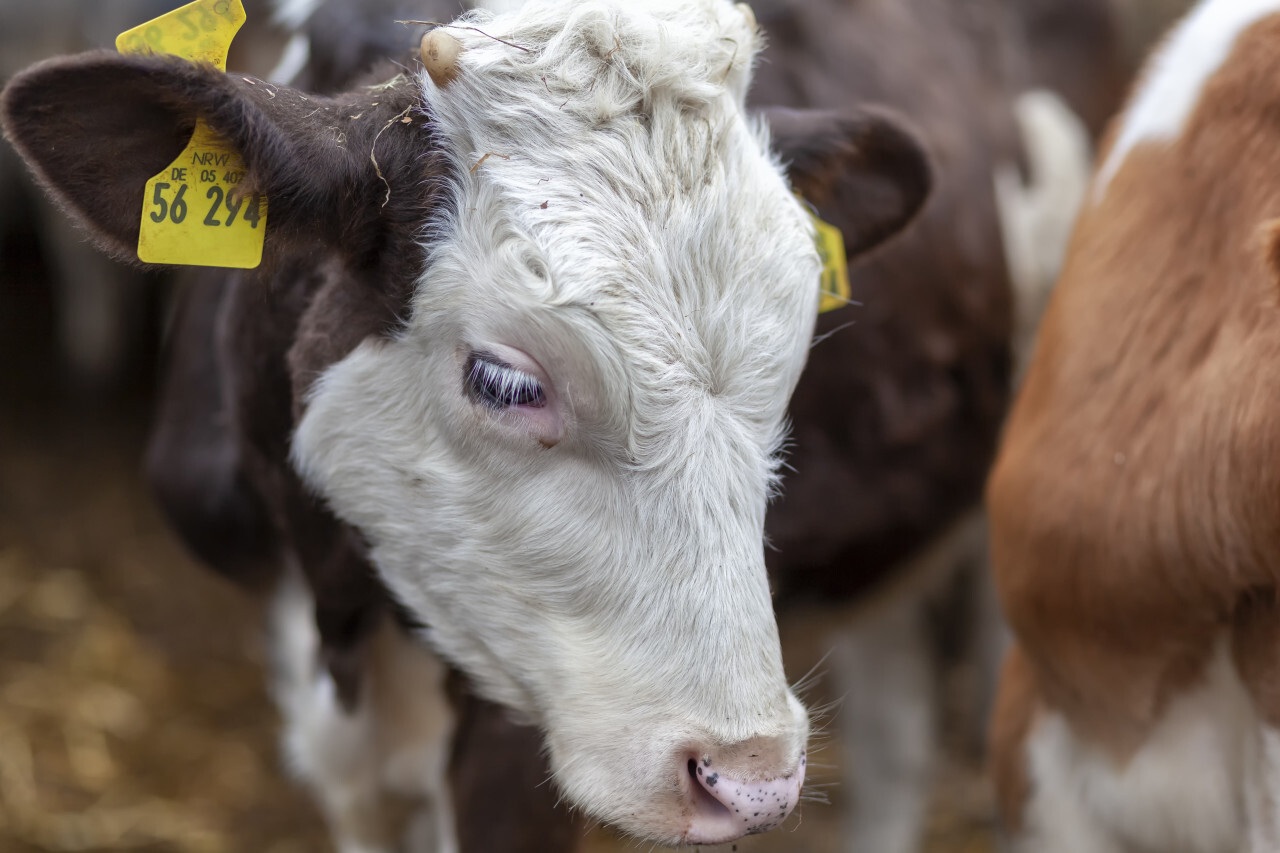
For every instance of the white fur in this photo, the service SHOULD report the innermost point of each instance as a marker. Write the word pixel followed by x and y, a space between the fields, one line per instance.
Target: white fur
pixel 292 14
pixel 1182 792
pixel 1176 75
pixel 887 671
pixel 499 7
pixel 620 229
pixel 392 752
pixel 1036 218
pixel 886 675
pixel 294 57
pixel 1263 802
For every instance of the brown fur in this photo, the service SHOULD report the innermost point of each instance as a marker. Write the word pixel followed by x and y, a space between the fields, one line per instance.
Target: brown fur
pixel 491 753
pixel 1074 48
pixel 1134 501
pixel 896 414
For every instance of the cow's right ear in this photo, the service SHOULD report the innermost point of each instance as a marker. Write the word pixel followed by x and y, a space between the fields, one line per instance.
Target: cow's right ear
pixel 864 169
pixel 97 126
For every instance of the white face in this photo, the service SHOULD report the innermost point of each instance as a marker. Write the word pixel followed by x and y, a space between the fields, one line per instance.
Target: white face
pixel 562 464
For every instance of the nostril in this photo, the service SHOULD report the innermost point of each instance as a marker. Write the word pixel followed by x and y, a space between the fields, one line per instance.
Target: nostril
pixel 729 800
pixel 706 805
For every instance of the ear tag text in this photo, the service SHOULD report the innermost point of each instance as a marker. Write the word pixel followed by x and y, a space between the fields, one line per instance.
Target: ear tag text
pixel 835 267
pixel 192 212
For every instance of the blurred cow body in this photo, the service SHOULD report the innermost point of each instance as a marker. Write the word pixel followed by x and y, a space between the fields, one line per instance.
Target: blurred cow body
pixel 1132 503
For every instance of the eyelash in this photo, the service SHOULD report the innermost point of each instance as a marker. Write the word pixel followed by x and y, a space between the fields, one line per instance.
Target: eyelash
pixel 498 385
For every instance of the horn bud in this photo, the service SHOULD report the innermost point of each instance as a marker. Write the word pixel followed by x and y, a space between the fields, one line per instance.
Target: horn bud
pixel 440 52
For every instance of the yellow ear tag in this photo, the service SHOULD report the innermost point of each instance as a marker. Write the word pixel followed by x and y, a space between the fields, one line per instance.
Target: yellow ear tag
pixel 835 267
pixel 192 213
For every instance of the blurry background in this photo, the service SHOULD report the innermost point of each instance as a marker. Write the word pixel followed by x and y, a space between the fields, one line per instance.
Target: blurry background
pixel 133 708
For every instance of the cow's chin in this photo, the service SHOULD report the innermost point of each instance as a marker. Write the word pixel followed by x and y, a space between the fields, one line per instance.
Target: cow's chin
pixel 651 764
pixel 669 753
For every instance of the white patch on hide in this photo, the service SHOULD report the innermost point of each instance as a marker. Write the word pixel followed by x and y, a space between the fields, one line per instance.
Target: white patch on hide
pixel 1176 74
pixel 1182 792
pixel 393 749
pixel 1037 217
pixel 294 57
pixel 292 14
pixel 1263 793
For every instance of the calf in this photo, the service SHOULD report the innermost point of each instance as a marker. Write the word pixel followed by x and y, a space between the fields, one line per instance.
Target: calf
pixel 520 351
pixel 1133 535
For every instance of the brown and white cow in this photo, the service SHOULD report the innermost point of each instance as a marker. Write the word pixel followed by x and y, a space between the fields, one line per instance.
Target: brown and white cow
pixel 520 352
pixel 1134 502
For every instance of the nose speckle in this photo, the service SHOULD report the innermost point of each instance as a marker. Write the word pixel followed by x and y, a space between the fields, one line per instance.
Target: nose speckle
pixel 728 806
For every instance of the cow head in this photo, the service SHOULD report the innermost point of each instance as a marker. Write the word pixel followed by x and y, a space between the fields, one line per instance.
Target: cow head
pixel 560 452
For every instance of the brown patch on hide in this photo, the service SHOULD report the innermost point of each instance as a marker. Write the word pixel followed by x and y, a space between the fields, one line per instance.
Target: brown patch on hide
pixel 493 754
pixel 1134 503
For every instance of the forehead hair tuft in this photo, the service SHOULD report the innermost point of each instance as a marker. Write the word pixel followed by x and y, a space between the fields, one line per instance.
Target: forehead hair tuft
pixel 604 61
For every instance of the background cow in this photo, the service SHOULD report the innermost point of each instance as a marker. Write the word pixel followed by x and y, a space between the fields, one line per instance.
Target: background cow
pixel 1132 504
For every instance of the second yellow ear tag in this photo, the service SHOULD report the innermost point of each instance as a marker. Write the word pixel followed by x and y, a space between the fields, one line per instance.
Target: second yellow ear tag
pixel 835 267
pixel 192 213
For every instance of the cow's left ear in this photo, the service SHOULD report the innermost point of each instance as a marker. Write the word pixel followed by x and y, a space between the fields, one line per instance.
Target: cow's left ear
pixel 864 169
pixel 96 127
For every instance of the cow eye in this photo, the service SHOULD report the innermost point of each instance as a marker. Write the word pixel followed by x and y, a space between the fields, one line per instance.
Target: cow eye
pixel 494 383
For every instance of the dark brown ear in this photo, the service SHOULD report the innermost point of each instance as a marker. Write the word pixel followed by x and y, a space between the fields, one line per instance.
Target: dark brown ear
pixel 864 170
pixel 97 126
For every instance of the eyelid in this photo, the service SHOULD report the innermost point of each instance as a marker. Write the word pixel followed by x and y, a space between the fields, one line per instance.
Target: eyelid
pixel 490 358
